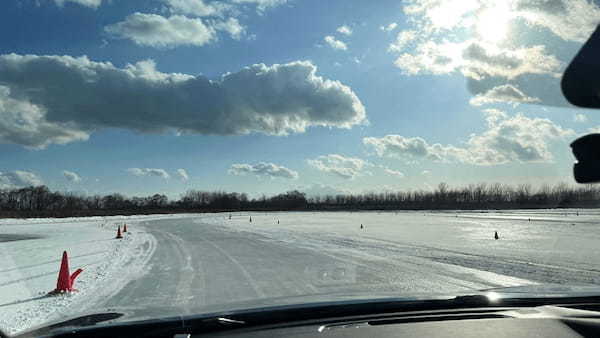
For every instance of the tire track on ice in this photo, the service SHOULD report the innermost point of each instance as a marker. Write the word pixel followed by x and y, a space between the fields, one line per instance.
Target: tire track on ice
pixel 244 271
pixel 187 274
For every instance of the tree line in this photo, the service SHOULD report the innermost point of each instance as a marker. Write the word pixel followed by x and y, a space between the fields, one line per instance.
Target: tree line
pixel 41 201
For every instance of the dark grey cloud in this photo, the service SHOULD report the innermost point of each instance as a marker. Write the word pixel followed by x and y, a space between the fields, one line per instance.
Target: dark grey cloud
pixel 60 99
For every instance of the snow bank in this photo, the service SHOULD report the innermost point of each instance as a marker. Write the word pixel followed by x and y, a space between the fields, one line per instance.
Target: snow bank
pixel 29 267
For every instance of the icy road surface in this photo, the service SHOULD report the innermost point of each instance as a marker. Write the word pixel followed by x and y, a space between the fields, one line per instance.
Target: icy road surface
pixel 203 262
pixel 172 265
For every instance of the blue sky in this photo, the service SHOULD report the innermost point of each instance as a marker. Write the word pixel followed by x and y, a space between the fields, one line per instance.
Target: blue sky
pixel 348 95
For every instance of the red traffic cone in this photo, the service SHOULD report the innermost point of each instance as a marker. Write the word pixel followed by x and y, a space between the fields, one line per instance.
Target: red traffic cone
pixel 119 233
pixel 65 281
pixel 124 227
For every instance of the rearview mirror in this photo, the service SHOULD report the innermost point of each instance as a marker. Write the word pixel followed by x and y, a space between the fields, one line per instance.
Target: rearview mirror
pixel 581 80
pixel 587 152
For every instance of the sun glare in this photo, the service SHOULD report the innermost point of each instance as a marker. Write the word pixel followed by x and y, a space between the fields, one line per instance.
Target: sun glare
pixel 492 22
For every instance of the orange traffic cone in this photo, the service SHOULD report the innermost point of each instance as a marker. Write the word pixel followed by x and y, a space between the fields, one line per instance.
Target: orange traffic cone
pixel 65 281
pixel 119 233
pixel 124 227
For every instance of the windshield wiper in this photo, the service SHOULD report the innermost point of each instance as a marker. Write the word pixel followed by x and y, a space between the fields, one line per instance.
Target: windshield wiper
pixel 152 328
pixel 87 320
pixel 227 321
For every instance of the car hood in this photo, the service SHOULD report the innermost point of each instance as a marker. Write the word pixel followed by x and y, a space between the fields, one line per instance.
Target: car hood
pixel 504 295
pixel 317 300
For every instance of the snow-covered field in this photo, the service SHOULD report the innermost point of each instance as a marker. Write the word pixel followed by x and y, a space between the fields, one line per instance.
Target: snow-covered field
pixel 182 264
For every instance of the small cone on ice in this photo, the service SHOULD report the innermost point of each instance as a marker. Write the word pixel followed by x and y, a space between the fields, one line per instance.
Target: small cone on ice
pixel 124 227
pixel 65 280
pixel 119 233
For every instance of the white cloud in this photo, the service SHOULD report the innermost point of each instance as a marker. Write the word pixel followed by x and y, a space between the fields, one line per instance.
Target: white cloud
pixel 430 58
pixel 262 5
pixel 477 60
pixel 392 172
pixel 571 20
pixel 581 118
pixel 503 93
pixel 183 175
pixel 480 60
pixel 191 23
pixel 60 99
pixel 71 176
pixel 517 138
pixel 263 169
pixel 136 171
pixel 483 40
pixel 149 172
pixel 197 7
pixel 18 179
pixel 231 26
pixel 405 147
pixel 389 27
pixel 402 39
pixel 88 3
pixel 507 139
pixel 157 31
pixel 335 44
pixel 425 172
pixel 344 167
pixel 435 15
pixel 346 30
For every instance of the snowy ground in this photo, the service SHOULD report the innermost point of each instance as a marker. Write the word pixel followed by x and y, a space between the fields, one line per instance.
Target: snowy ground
pixel 31 251
pixel 183 264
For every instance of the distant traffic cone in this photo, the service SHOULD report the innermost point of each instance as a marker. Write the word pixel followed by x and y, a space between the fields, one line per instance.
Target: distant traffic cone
pixel 119 233
pixel 65 281
pixel 124 227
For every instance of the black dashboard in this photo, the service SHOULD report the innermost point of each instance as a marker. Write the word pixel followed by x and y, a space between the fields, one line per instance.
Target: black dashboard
pixel 543 321
pixel 461 316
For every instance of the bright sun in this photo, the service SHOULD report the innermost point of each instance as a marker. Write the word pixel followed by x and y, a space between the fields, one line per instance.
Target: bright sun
pixel 492 22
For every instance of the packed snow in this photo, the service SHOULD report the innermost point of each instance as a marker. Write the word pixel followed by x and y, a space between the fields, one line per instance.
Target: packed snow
pixel 183 264
pixel 32 249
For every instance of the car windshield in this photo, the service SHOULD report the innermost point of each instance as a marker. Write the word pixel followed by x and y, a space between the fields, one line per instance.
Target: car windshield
pixel 180 157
